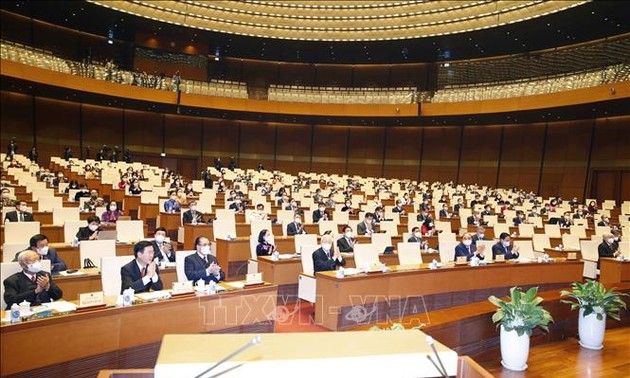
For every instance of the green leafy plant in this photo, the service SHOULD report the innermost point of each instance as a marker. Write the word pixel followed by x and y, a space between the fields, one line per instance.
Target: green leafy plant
pixel 522 313
pixel 394 327
pixel 592 295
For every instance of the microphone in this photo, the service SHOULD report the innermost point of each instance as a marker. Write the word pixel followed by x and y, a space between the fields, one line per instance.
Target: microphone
pixel 431 343
pixel 254 341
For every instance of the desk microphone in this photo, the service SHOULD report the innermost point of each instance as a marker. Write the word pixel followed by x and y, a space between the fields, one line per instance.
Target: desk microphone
pixel 431 343
pixel 254 341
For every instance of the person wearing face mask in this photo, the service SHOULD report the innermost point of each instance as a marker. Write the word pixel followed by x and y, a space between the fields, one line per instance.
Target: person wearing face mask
pixel 296 227
pixel 416 236
pixel 163 248
pixel 39 244
pixel 5 198
pixel 428 227
pixel 444 212
pixel 479 235
pixel 320 213
pixel 172 205
pixel 565 221
pixel 399 207
pixel 604 222
pixel 347 242
pixel 367 226
pixel 31 284
pixel 608 247
pixel 141 274
pixel 237 205
pixel 20 214
pixel 520 218
pixel 192 215
pixel 505 247
pixel 112 213
pixel 467 249
pixel 202 265
pixel 324 258
pixel 259 214
pixel 293 206
pixel 265 246
pixel 348 207
pixel 90 232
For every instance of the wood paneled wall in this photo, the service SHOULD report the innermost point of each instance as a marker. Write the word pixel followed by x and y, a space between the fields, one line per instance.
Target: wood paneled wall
pixel 551 159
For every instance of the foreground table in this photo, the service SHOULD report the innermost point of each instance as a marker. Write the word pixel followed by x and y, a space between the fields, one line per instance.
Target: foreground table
pixel 126 337
pixel 613 271
pixel 348 302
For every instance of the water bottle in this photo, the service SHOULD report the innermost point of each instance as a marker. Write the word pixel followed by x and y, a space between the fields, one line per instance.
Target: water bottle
pixel 75 242
pixel 15 313
pixel 426 247
pixel 194 221
pixel 212 287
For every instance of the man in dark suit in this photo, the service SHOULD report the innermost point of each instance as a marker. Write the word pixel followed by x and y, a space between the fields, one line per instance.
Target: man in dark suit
pixel 296 227
pixel 324 258
pixel 444 212
pixel 476 220
pixel 347 242
pixel 192 215
pixel 237 205
pixel 202 265
pixel 608 247
pixel 20 214
pixel 467 249
pixel 367 226
pixel 416 235
pixel 39 244
pixel 141 274
pixel 162 247
pixel 479 235
pixel 320 213
pixel 31 284
pixel 399 208
pixel 505 247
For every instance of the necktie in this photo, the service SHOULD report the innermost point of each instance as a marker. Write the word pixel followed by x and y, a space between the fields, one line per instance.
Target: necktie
pixel 469 250
pixel 144 271
pixel 21 217
pixel 34 278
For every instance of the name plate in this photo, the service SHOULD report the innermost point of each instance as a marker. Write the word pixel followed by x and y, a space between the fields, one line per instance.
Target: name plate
pixel 253 279
pixel 572 256
pixel 182 287
pixel 499 258
pixel 461 260
pixel 96 298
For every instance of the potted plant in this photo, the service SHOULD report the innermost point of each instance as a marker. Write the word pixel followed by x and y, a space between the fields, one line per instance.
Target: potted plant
pixel 594 302
pixel 517 318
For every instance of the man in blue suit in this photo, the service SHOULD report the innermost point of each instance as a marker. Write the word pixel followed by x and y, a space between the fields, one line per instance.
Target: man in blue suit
pixel 467 249
pixel 505 247
pixel 141 273
pixel 202 265
pixel 39 243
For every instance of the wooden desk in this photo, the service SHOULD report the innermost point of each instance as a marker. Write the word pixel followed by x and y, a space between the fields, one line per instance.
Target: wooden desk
pixel 613 271
pixel 193 231
pixel 148 211
pixel 131 203
pixel 130 336
pixel 367 298
pixel 71 254
pixel 552 252
pixel 72 286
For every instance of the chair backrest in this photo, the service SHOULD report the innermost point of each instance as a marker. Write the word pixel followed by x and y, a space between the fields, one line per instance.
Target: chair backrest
pixel 526 248
pixel 20 232
pixel 571 241
pixel 365 255
pixel 536 221
pixel 10 268
pixel 390 227
pixel 63 214
pixel 578 231
pixel 446 237
pixel 49 203
pixel 10 249
pixel 302 240
pixel 601 230
pixel 409 253
pixel 285 216
pixel 110 273
pixel 180 256
pixel 447 251
pixel 501 227
pixel 589 250
pixel 307 258
pixel 381 241
pixel 341 217
pixel 580 222
pixel 223 228
pixel 445 227
pixel 492 219
pixel 70 229
pixel 541 241
pixel 96 249
pixel 130 230
pixel 327 226
pixel 225 215
pixel 526 230
pixel 624 247
pixel 552 231
pixel 487 245
pixel 257 225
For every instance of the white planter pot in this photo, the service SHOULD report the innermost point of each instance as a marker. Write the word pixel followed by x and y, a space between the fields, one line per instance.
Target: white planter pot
pixel 591 330
pixel 514 350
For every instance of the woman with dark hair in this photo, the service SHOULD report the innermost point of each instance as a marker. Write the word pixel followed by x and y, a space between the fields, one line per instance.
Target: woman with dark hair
pixel 112 213
pixel 264 247
pixel 428 228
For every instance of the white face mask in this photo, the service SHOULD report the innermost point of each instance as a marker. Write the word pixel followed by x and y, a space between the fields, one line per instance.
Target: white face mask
pixel 43 251
pixel 298 220
pixel 616 238
pixel 326 246
pixel 467 243
pixel 93 227
pixel 610 241
pixel 113 208
pixel 480 235
pixel 193 208
pixel 431 225
pixel 322 209
pixel 159 239
pixel 35 267
pixel 505 243
pixel 349 234
pixel 205 250
pixel 268 239
pixel 417 234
